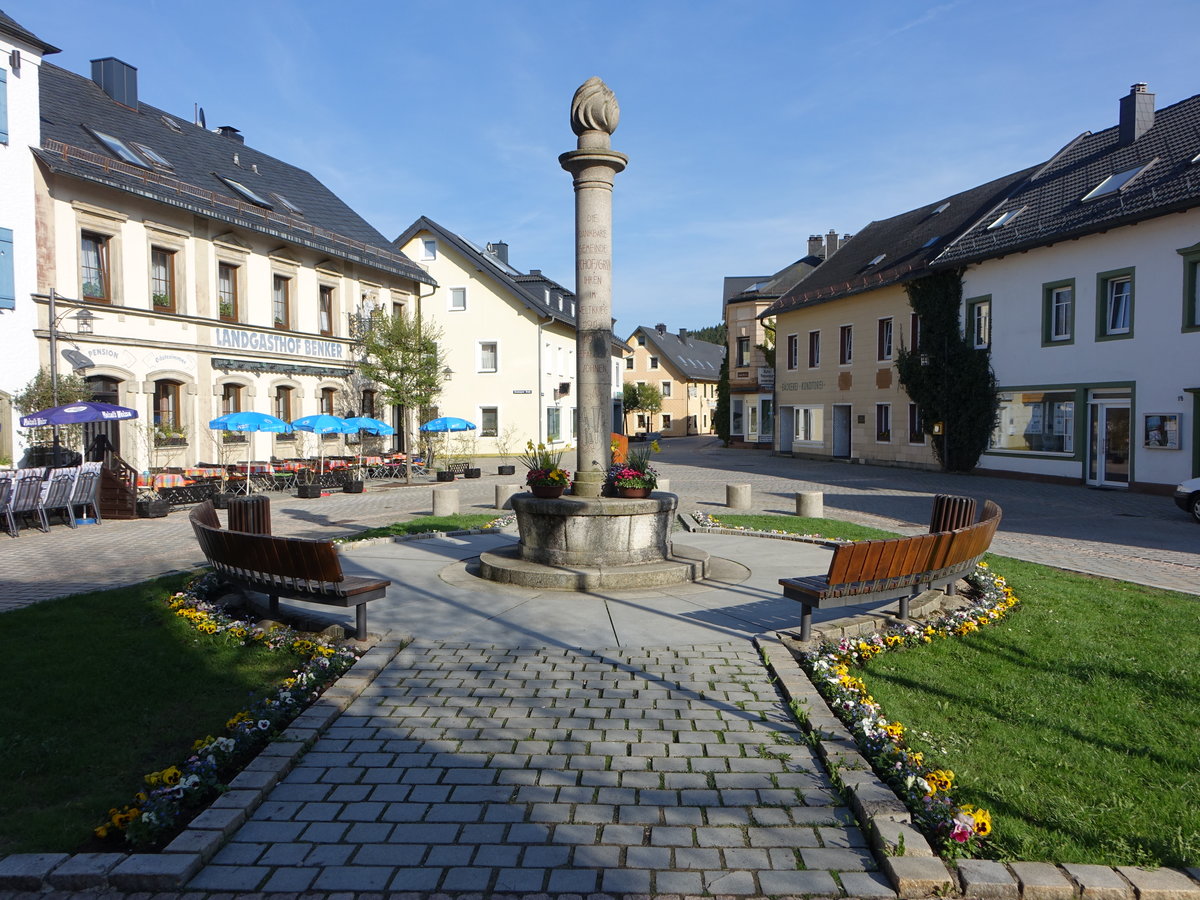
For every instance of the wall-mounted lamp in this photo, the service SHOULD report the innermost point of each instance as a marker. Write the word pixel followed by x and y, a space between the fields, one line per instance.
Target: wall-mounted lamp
pixel 83 321
pixel 14 62
pixel 447 373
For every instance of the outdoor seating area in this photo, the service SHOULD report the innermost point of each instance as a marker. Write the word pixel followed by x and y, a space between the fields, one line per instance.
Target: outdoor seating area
pixel 31 496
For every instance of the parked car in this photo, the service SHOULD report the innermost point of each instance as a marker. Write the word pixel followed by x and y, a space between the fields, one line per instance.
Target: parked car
pixel 1187 497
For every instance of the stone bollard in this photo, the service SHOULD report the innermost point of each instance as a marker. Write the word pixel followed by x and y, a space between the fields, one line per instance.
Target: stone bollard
pixel 737 496
pixel 445 502
pixel 504 493
pixel 810 504
pixel 664 484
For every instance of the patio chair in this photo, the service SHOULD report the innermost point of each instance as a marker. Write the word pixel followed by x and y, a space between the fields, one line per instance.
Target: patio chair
pixel 84 497
pixel 57 498
pixel 26 496
pixel 419 467
pixel 6 488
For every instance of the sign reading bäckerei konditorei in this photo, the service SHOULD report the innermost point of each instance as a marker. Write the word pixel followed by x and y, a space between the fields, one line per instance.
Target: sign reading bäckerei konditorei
pixel 273 342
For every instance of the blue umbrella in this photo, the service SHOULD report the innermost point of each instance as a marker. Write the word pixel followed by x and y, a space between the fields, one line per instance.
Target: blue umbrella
pixel 448 423
pixel 322 423
pixel 78 413
pixel 370 426
pixel 249 421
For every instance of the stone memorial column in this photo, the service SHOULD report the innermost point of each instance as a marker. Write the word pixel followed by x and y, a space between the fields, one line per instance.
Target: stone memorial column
pixel 594 116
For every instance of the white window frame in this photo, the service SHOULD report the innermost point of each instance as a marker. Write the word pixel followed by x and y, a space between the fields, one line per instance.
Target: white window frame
pixel 1067 308
pixel 883 417
pixel 666 421
pixel 483 431
pixel 456 294
pixel 793 351
pixel 981 324
pixel 915 435
pixel 479 357
pixel 428 249
pixel 1110 297
pixel 885 331
pixel 845 345
pixel 653 364
pixel 665 389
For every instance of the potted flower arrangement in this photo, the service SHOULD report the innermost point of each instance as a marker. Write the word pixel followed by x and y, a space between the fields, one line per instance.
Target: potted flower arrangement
pixel 634 478
pixel 504 444
pixel 354 483
pixel 307 487
pixel 546 478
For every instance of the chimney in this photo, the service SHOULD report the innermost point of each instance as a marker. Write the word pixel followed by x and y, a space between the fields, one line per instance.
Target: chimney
pixel 660 328
pixel 831 243
pixel 230 132
pixel 537 272
pixel 683 335
pixel 499 250
pixel 1137 114
pixel 816 245
pixel 117 79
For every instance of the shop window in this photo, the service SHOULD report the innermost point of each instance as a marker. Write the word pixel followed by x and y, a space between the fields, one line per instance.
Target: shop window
pixel 1036 422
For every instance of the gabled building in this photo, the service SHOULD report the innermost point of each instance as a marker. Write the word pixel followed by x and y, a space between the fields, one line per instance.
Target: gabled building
pixel 216 277
pixel 1084 283
pixel 508 338
pixel 21 54
pixel 751 374
pixel 838 331
pixel 685 371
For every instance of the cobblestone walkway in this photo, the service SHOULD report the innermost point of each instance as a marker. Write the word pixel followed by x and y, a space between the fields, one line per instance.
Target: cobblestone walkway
pixel 479 769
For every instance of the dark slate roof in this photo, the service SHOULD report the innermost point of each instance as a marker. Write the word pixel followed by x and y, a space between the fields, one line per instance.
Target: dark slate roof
pixel 526 288
pixel 737 284
pixel 907 243
pixel 1051 205
pixel 695 359
pixel 10 26
pixel 197 156
pixel 774 286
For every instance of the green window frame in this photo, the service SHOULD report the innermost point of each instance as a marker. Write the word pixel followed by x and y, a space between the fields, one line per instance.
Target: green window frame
pixel 1052 313
pixel 1191 287
pixel 1115 304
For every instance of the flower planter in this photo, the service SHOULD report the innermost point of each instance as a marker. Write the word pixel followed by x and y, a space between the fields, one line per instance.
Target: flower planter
pixel 352 487
pixel 473 473
pixel 445 476
pixel 506 470
pixel 547 491
pixel 152 509
pixel 308 491
pixel 633 493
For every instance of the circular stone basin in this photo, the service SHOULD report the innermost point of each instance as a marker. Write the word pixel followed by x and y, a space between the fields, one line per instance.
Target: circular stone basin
pixel 604 531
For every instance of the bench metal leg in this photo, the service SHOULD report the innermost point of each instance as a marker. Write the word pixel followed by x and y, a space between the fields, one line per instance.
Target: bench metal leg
pixel 904 608
pixel 360 621
pixel 805 622
pixel 273 601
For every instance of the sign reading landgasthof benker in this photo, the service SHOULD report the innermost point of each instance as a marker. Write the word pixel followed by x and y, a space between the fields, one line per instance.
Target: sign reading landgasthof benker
pixel 273 342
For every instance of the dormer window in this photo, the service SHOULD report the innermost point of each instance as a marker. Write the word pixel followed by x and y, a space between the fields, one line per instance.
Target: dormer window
pixel 245 193
pixel 1005 218
pixel 1115 183
pixel 119 148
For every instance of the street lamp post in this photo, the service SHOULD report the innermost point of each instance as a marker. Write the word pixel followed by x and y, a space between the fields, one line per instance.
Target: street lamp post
pixel 84 318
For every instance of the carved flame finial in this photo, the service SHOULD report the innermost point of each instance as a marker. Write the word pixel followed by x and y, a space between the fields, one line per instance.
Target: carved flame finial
pixel 594 108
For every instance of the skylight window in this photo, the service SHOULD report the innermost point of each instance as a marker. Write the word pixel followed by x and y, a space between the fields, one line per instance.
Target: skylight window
pixel 245 192
pixel 153 155
pixel 119 148
pixel 288 204
pixel 940 209
pixel 1005 218
pixel 1195 159
pixel 933 240
pixel 1117 182
pixel 877 260
pixel 172 124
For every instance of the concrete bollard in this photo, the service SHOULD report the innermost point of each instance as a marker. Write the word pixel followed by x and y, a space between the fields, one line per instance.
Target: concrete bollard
pixel 504 493
pixel 737 496
pixel 445 502
pixel 810 504
pixel 664 484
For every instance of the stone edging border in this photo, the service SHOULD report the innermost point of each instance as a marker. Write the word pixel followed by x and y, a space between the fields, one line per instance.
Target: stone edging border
pixel 904 854
pixel 202 838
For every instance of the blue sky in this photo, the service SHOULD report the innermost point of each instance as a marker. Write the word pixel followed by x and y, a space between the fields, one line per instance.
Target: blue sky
pixel 749 125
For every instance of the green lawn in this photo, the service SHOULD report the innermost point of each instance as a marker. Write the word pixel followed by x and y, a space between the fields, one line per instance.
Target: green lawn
pixel 1075 721
pixel 829 528
pixel 100 689
pixel 423 524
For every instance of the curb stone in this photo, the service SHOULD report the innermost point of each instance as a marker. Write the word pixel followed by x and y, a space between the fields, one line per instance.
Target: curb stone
pixel 197 843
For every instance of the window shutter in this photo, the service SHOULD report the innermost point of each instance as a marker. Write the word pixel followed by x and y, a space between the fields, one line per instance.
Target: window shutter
pixel 8 291
pixel 3 106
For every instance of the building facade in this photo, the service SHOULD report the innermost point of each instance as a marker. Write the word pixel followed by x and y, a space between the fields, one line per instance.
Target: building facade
pixel 217 278
pixel 684 370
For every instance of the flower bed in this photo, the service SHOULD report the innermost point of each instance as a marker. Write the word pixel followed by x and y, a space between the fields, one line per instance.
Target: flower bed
pixel 176 793
pixel 955 830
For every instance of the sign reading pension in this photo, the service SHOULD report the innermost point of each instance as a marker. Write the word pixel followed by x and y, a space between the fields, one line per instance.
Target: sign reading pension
pixel 273 342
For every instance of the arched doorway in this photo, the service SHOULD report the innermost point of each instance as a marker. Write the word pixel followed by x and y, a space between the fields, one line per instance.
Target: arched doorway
pixel 104 390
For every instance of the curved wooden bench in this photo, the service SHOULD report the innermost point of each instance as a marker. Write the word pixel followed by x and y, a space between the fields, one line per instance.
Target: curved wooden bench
pixel 296 568
pixel 898 568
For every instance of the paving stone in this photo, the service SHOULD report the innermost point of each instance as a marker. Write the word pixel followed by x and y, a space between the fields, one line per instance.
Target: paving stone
pixel 353 878
pixel 837 860
pixel 572 881
pixel 467 879
pixel 684 883
pixel 864 884
pixel 290 880
pixel 238 879
pixel 626 881
pixel 522 880
pixel 729 883
pixel 1099 882
pixel 986 880
pixel 697 858
pixel 83 871
pixel 597 857
pixel 1042 881
pixel 1161 884
pixel 917 876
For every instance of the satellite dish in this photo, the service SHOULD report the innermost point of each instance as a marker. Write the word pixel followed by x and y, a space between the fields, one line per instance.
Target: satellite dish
pixel 77 360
